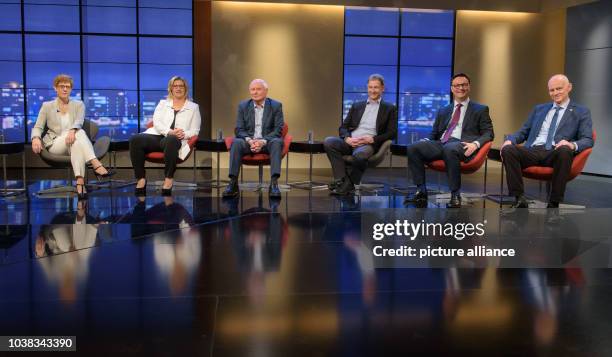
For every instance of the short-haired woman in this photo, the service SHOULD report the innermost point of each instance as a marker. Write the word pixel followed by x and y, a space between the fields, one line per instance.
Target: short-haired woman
pixel 63 118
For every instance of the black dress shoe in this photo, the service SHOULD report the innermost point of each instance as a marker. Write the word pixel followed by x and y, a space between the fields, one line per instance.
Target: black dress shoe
pixel 521 202
pixel 335 184
pixel 273 190
pixel 231 190
pixel 552 204
pixel 455 201
pixel 346 188
pixel 420 196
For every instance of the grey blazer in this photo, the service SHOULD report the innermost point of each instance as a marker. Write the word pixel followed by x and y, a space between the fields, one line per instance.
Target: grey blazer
pixel 49 118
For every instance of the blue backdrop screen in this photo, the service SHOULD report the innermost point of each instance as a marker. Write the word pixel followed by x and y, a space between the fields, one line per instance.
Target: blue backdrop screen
pixel 417 46
pixel 120 71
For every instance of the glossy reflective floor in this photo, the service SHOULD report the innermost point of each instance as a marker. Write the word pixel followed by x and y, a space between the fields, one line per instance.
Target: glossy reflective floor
pixel 195 275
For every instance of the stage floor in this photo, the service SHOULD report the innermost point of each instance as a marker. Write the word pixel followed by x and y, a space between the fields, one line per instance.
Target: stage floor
pixel 196 275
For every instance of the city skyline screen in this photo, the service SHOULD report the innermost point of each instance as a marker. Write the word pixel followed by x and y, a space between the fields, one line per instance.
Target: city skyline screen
pixel 119 55
pixel 413 50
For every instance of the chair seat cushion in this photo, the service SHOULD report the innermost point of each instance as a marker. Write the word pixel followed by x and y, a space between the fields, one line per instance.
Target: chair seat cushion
pixel 466 167
pixel 156 156
pixel 55 160
pixel 538 172
pixel 256 159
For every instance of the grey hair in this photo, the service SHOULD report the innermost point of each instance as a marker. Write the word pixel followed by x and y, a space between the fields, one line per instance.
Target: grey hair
pixel 260 81
pixel 377 77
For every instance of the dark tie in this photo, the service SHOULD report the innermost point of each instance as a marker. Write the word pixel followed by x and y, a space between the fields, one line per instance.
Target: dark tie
pixel 453 124
pixel 551 129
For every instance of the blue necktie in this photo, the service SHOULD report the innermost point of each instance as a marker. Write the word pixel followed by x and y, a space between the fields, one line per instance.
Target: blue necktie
pixel 551 129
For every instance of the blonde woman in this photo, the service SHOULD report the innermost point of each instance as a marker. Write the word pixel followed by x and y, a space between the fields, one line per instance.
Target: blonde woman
pixel 176 119
pixel 63 119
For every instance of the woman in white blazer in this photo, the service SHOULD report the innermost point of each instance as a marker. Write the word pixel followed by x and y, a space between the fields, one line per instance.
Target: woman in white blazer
pixel 62 118
pixel 176 119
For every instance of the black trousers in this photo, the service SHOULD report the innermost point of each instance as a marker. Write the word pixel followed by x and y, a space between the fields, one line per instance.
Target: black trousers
pixel 422 152
pixel 516 158
pixel 142 144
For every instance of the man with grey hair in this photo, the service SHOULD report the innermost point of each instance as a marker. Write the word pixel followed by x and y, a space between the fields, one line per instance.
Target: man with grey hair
pixel 553 134
pixel 259 124
pixel 368 124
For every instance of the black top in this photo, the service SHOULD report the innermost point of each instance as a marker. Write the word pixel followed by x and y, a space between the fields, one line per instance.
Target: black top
pixel 119 145
pixel 211 145
pixel 174 120
pixel 11 148
pixel 315 147
pixel 399 149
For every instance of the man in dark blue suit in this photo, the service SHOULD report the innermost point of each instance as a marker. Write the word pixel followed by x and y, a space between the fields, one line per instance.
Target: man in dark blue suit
pixel 553 134
pixel 259 124
pixel 459 131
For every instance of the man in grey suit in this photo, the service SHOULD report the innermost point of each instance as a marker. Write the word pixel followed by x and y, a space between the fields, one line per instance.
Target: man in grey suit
pixel 259 125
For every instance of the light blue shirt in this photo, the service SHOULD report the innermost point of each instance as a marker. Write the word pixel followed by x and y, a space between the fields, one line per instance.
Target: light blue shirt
pixel 367 124
pixel 543 134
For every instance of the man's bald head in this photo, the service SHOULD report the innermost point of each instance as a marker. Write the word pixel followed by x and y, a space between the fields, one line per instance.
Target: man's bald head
pixel 559 88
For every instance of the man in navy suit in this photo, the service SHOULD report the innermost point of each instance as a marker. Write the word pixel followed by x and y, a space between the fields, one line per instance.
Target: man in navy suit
pixel 459 131
pixel 259 124
pixel 553 133
pixel 369 123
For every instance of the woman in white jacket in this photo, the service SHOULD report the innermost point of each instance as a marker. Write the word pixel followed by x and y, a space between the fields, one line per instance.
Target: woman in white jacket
pixel 176 120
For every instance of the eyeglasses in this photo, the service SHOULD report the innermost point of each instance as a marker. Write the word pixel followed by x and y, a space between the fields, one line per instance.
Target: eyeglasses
pixel 178 86
pixel 64 86
pixel 460 85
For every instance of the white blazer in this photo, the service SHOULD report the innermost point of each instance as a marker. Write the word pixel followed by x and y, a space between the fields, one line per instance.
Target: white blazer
pixel 188 119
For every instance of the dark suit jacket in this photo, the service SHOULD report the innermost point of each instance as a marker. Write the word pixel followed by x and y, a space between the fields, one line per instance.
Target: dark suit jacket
pixel 477 124
pixel 272 123
pixel 575 126
pixel 386 121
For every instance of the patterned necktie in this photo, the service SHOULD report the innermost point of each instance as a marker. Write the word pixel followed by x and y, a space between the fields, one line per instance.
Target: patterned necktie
pixel 453 124
pixel 551 129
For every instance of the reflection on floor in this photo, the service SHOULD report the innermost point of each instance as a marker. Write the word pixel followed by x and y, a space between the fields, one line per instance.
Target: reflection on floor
pixel 195 275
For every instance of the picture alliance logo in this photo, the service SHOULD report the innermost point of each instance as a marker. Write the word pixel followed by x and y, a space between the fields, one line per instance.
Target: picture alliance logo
pixel 412 230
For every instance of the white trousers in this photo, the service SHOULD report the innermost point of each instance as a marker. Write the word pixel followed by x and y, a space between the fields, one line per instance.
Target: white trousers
pixel 81 151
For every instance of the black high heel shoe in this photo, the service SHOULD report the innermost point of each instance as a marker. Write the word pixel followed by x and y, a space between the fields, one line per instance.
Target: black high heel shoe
pixel 108 173
pixel 166 191
pixel 83 194
pixel 141 191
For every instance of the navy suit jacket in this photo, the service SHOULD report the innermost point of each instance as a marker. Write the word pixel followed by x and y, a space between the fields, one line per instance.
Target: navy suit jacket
pixel 272 122
pixel 386 121
pixel 575 126
pixel 477 124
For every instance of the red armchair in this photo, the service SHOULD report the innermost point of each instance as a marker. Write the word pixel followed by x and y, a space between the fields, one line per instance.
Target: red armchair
pixel 261 159
pixel 468 167
pixel 544 173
